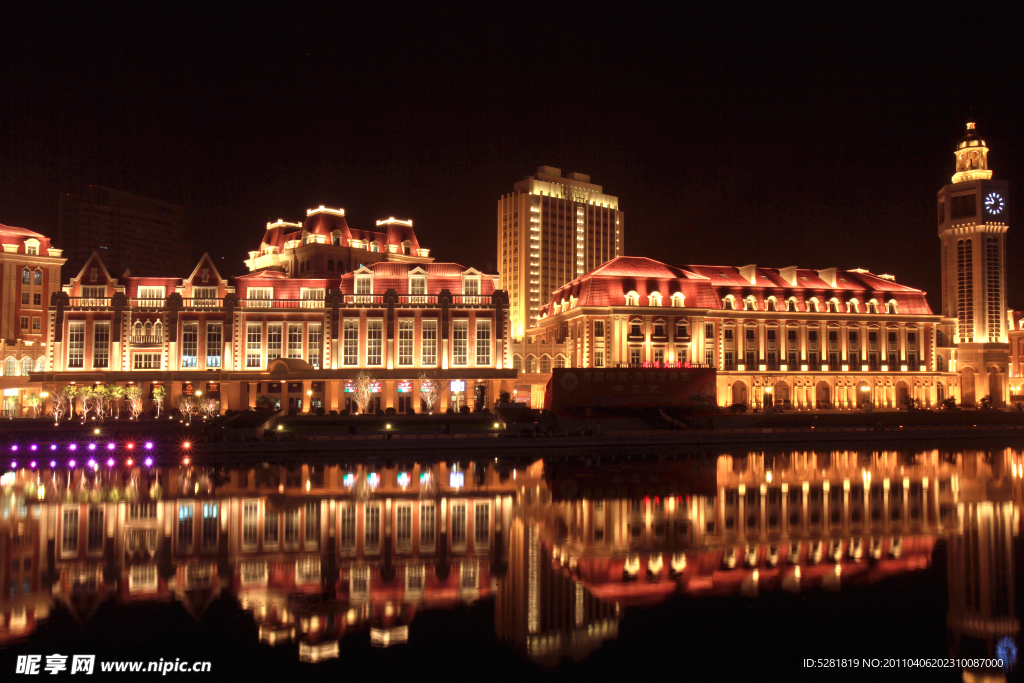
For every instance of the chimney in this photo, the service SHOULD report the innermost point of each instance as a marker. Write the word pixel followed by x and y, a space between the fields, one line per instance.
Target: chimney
pixel 788 274
pixel 749 273
pixel 828 275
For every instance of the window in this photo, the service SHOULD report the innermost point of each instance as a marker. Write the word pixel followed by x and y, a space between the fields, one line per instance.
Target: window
pixel 599 328
pixel 531 363
pixel 428 343
pixel 94 533
pixel 76 345
pixel 32 249
pixel 350 342
pixel 482 524
pixel 405 329
pixel 374 341
pixel 314 343
pixel 313 298
pixel 458 511
pixel 545 363
pixel 185 526
pixel 213 345
pixel 26 276
pixel 24 322
pixel 426 524
pixel 204 296
pixel 254 345
pixel 403 526
pixel 312 521
pixel 812 306
pixel 460 332
pixel 483 342
pixel 347 533
pixel 69 532
pixel 364 288
pixel 890 308
pixel 632 299
pixel 727 303
pixel 659 329
pixel 295 340
pixel 24 298
pixel 471 286
pixel 418 288
pixel 259 297
pixel 271 530
pixel 250 523
pixel 682 330
pixel 146 361
pixel 151 295
pixel 291 527
pixel 598 359
pixel 274 341
pixel 749 304
pixel 100 345
pixel 210 525
pixel 771 304
pixel 634 355
pixel 636 328
pixel 677 300
pixel 37 299
pixel 37 277
pixel 190 345
pixel 372 535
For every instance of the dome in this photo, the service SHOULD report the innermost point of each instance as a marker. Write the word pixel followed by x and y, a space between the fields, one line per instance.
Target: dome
pixel 972 138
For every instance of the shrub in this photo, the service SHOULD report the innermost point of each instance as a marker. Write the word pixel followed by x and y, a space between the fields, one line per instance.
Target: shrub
pixel 390 411
pixel 738 408
pixel 410 411
pixel 292 412
pixel 343 413
pixel 335 412
pixel 464 410
pixel 450 411
pixel 320 411
pixel 380 413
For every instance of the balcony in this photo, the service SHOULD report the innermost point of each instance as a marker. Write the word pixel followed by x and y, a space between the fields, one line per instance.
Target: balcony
pixel 471 299
pixel 202 303
pixel 146 303
pixel 88 302
pixel 146 339
pixel 364 299
pixel 417 299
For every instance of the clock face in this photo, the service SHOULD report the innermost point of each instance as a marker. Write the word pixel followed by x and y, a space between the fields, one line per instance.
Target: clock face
pixel 994 203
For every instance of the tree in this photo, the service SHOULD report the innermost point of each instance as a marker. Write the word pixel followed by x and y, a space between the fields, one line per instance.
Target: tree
pixel 159 392
pixel 60 404
pixel 116 394
pixel 82 404
pixel 210 407
pixel 70 394
pixel 133 394
pixel 187 405
pixel 364 390
pixel 267 402
pixel 98 401
pixel 33 401
pixel 430 389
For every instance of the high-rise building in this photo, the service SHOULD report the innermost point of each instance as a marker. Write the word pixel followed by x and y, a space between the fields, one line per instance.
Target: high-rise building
pixel 551 230
pixel 31 273
pixel 972 214
pixel 129 232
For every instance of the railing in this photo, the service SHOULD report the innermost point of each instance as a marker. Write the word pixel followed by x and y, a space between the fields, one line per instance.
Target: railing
pixel 417 299
pixel 146 339
pixel 474 299
pixel 364 299
pixel 281 303
pixel 89 302
pixel 147 303
pixel 202 303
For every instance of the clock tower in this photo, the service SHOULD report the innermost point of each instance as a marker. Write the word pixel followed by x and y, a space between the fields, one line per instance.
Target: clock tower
pixel 972 213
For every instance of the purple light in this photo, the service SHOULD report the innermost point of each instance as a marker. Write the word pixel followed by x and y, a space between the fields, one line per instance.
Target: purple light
pixel 14 465
pixel 110 462
pixel 53 463
pixel 71 463
pixel 14 447
pixel 32 447
pixel 110 446
pixel 149 462
pixel 91 462
pixel 32 464
pixel 73 447
pixel 149 445
pixel 53 446
pixel 92 447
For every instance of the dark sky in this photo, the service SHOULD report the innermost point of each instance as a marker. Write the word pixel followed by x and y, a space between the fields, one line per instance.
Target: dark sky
pixel 731 135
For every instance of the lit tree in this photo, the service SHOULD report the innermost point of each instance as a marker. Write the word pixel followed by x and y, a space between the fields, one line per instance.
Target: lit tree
pixel 116 394
pixel 82 403
pixel 187 406
pixel 364 390
pixel 33 401
pixel 60 404
pixel 99 401
pixel 210 407
pixel 432 390
pixel 70 394
pixel 159 392
pixel 133 394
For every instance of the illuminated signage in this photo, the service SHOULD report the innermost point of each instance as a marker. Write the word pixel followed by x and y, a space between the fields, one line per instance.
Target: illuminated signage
pixel 404 387
pixel 349 479
pixel 373 479
pixel 457 480
pixel 404 479
pixel 426 385
pixel 424 477
pixel 10 392
pixel 458 386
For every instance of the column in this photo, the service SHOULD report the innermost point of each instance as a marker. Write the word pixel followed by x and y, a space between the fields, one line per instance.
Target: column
pixel 741 522
pixel 785 509
pixel 764 518
pixel 826 517
pixel 333 396
pixel 307 398
pixel 885 505
pixel 846 506
pixel 252 394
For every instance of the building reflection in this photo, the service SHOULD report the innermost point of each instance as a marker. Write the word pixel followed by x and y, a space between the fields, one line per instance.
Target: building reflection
pixel 320 553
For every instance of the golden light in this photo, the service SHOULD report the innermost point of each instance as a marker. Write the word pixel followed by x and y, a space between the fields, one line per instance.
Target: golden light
pixel 280 427
pixel 96 431
pixel 185 461
pixel 768 476
pixel 309 393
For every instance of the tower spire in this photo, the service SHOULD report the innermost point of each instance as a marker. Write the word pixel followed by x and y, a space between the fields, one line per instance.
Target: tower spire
pixel 971 156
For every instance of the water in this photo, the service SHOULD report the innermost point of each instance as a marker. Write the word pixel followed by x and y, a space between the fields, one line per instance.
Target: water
pixel 728 565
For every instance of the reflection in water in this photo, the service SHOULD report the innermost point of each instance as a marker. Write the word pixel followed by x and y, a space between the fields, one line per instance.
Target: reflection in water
pixel 319 554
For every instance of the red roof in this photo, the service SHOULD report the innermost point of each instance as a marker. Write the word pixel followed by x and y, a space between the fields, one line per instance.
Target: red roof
pixel 10 234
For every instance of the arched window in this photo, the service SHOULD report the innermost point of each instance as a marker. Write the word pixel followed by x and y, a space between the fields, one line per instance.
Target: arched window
pixel 330 265
pixel 41 363
pixel 890 308
pixel 852 306
pixel 26 365
pixel 138 328
pixel 11 368
pixel 158 330
pixel 872 306
pixel 517 362
pixel 559 361
pixel 632 299
pixel 531 363
pixel 37 277
pixel 771 304
pixel 678 300
pixel 149 329
pixel 749 304
pixel 833 306
pixel 727 303
pixel 545 363
pixel 940 363
pixel 26 276
pixel 812 306
pixel 938 338
pixel 791 304
pixel 654 299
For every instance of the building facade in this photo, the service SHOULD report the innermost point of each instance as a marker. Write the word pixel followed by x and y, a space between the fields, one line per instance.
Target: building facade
pixel 790 337
pixel 298 328
pixel 31 274
pixel 551 230
pixel 129 232
pixel 972 214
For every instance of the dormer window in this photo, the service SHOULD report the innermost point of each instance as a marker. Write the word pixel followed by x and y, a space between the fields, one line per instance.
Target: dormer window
pixel 407 248
pixel 872 306
pixel 771 304
pixel 471 286
pixel 749 304
pixel 364 288
pixel 890 307
pixel 418 285
pixel 312 297
pixel 812 306
pixel 678 300
pixel 833 306
pixel 727 304
pixel 31 250
pixel 632 299
pixel 259 297
pixel 151 294
pixel 654 299
pixel 374 246
pixel 853 306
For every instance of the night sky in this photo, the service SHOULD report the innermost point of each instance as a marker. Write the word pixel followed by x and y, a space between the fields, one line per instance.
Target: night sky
pixel 731 136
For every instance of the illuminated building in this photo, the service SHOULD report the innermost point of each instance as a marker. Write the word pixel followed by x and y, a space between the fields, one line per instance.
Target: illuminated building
pixel 972 214
pixel 129 232
pixel 551 230
pixel 299 328
pixel 31 274
pixel 789 337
